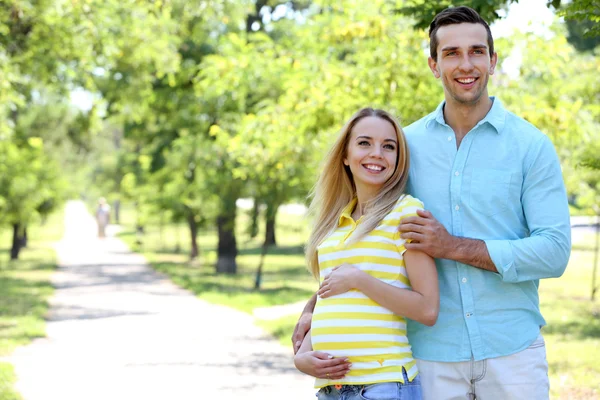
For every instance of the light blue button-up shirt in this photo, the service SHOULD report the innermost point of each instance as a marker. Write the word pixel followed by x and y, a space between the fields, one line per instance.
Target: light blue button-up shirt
pixel 502 185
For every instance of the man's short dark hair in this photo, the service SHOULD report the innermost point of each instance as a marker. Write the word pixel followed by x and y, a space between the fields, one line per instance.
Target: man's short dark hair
pixel 456 15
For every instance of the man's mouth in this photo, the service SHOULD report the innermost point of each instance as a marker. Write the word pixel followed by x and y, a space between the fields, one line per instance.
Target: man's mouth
pixel 466 81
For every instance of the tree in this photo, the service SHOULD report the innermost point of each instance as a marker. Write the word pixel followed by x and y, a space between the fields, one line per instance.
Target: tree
pixel 30 186
pixel 583 16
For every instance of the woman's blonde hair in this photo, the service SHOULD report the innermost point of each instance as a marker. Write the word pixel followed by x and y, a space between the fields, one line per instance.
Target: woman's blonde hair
pixel 335 189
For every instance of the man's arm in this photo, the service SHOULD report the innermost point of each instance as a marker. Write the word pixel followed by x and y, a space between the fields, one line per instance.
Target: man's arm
pixel 544 254
pixel 430 237
pixel 303 324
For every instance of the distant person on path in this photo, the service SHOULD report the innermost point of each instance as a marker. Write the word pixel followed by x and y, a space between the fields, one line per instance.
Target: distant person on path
pixel 497 221
pixel 102 216
pixel 369 281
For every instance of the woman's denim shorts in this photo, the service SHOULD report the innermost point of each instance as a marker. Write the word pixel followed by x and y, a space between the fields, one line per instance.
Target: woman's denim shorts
pixel 376 391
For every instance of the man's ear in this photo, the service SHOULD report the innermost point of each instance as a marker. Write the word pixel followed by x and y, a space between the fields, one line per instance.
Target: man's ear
pixel 433 67
pixel 493 62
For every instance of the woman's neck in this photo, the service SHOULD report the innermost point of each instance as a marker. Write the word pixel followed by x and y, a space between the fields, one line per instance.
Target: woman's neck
pixel 363 199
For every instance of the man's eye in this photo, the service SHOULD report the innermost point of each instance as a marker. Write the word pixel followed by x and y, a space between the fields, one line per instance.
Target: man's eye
pixel 451 53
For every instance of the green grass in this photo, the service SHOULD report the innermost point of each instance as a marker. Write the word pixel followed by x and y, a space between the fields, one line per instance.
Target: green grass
pixel 572 334
pixel 25 287
pixel 573 327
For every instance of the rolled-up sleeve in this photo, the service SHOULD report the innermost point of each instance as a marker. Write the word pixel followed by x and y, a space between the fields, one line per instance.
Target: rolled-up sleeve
pixel 545 253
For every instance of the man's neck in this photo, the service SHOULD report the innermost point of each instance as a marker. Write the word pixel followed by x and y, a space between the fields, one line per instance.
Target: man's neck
pixel 463 117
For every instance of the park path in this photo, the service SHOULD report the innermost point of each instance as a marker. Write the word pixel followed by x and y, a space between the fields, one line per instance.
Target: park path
pixel 119 330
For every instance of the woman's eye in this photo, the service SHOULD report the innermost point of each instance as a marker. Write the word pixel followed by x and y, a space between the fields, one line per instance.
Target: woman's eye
pixel 389 147
pixel 363 143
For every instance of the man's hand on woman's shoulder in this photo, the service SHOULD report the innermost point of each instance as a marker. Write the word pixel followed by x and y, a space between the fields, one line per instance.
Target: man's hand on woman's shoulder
pixel 426 234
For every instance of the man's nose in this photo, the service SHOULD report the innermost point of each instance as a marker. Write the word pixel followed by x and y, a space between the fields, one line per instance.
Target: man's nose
pixel 465 63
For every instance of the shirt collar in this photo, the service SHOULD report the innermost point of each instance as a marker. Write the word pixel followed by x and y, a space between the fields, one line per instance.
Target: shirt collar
pixel 347 211
pixel 496 117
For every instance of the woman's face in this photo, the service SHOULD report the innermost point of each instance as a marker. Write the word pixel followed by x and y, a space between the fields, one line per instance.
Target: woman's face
pixel 372 154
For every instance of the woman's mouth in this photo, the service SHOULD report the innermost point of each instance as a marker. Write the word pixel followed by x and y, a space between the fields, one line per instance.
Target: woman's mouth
pixel 373 168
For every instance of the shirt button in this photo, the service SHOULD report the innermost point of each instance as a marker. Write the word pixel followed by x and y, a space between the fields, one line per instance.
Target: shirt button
pixel 449 138
pixel 456 208
pixel 464 280
pixel 469 315
pixel 457 173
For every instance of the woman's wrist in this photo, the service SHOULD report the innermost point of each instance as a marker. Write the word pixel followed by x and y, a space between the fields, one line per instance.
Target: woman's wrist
pixel 357 279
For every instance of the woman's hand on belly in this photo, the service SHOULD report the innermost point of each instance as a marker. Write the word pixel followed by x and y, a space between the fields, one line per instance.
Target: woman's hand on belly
pixel 340 280
pixel 322 365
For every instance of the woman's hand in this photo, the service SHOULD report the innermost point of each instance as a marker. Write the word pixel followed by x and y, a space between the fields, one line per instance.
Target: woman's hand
pixel 322 365
pixel 341 279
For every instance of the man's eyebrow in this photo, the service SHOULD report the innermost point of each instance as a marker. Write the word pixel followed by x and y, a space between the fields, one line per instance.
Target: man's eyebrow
pixel 475 46
pixel 449 48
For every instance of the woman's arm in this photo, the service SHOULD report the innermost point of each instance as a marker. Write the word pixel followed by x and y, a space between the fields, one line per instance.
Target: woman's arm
pixel 318 363
pixel 421 304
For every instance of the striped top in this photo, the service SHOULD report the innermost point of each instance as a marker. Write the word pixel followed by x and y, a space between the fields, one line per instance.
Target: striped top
pixel 354 326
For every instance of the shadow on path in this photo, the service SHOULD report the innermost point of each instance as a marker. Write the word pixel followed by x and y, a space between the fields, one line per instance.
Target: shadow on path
pixel 119 330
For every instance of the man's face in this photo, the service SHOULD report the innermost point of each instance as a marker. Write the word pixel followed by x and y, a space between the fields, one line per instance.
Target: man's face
pixel 463 62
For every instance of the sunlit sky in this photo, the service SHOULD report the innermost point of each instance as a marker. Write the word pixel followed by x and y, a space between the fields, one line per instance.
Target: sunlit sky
pixel 526 15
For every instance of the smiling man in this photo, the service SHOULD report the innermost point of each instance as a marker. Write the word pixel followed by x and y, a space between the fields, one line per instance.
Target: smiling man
pixel 497 222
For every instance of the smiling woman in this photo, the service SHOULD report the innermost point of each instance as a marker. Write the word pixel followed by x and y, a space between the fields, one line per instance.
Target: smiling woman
pixel 371 157
pixel 357 346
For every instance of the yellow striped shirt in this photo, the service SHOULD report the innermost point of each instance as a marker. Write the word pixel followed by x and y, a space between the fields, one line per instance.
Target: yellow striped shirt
pixel 351 324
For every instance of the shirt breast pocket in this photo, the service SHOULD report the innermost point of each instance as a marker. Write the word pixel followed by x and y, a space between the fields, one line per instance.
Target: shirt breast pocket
pixel 490 191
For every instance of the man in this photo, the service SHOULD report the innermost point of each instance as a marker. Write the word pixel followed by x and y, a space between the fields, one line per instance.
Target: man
pixel 497 222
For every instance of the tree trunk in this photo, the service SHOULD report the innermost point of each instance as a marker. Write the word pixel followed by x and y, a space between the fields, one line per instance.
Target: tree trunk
pixel 254 219
pixel 263 254
pixel 16 242
pixel 227 248
pixel 116 209
pixel 193 235
pixel 24 238
pixel 270 225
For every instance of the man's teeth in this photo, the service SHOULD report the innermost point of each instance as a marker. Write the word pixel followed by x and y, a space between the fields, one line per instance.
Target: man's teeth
pixel 466 81
pixel 374 167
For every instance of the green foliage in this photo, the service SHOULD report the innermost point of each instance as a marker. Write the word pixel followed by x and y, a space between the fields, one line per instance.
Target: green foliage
pixel 7 380
pixel 579 34
pixel 424 11
pixel 585 11
pixel 29 181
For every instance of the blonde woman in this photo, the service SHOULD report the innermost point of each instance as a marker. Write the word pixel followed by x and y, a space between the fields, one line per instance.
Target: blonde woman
pixel 369 282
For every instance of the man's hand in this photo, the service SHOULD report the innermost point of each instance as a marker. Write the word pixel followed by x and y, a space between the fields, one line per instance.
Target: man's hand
pixel 426 235
pixel 340 280
pixel 302 327
pixel 322 365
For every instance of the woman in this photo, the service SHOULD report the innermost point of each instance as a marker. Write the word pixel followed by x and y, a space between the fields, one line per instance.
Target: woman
pixel 369 281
